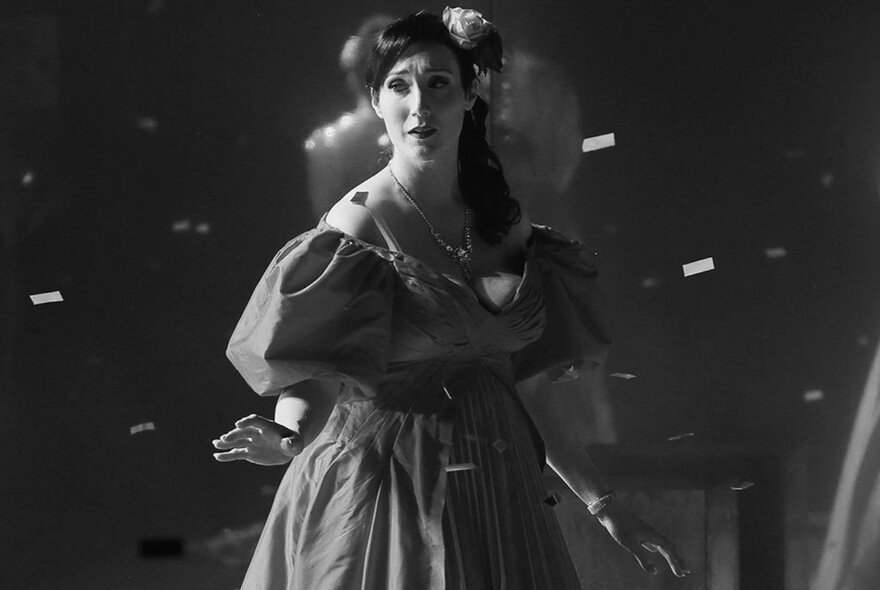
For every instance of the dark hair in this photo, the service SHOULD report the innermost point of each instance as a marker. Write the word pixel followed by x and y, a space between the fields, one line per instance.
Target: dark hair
pixel 481 176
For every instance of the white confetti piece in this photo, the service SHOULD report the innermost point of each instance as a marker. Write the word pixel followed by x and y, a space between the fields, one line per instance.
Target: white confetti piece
pixel 181 225
pixel 27 178
pixel 203 228
pixel 51 297
pixel 553 499
pixel 814 395
pixel 142 427
pixel 650 282
pixel 704 265
pixel 623 375
pixel 460 467
pixel 591 144
pixel 499 445
pixel 775 253
pixel 681 436
pixel 446 391
pixel 740 486
pixel 827 180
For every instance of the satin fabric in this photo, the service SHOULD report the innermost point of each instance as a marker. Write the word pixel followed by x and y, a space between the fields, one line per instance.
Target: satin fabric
pixel 428 472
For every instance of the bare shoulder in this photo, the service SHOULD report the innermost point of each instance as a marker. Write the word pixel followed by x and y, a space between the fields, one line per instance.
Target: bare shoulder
pixel 353 218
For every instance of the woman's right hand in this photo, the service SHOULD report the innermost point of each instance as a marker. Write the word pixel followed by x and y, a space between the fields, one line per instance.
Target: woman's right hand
pixel 259 440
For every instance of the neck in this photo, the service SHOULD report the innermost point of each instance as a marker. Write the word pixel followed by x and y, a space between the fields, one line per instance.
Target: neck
pixel 433 184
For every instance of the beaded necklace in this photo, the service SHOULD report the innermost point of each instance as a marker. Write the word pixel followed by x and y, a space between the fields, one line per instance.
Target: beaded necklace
pixel 460 255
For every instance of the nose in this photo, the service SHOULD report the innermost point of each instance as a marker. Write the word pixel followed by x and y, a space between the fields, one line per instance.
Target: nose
pixel 420 103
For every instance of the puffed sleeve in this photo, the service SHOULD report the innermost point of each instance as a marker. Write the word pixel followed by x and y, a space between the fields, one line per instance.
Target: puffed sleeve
pixel 320 311
pixel 575 334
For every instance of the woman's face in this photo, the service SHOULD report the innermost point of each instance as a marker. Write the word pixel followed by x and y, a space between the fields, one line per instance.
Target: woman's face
pixel 422 102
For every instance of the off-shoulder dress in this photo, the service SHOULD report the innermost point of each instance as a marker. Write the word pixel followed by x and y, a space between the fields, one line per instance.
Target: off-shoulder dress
pixel 428 474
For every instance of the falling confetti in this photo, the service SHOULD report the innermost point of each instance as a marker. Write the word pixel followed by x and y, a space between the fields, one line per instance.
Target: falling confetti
pixel 623 375
pixel 553 499
pixel 460 467
pixel 591 144
pixel 446 391
pixel 740 486
pixel 704 265
pixel 51 297
pixel 499 445
pixel 27 178
pixel 203 228
pixel 827 180
pixel 775 253
pixel 142 427
pixel 814 395
pixel 181 225
pixel 681 436
pixel 650 282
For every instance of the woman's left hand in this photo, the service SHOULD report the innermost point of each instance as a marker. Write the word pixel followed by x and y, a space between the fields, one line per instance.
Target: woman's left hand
pixel 640 539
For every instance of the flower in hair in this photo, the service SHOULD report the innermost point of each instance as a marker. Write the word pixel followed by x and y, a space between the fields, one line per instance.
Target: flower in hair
pixel 475 34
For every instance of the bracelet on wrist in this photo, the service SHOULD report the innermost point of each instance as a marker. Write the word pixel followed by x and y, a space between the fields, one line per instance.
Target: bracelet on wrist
pixel 596 506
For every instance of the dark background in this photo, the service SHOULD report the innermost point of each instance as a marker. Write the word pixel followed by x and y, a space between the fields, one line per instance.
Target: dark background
pixel 740 126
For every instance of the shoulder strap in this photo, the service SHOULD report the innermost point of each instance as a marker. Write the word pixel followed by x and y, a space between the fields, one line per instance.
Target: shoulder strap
pixel 360 198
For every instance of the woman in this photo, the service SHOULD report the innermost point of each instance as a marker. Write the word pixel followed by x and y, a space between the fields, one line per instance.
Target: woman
pixel 394 334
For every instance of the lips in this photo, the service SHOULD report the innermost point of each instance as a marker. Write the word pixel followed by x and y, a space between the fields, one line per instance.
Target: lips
pixel 422 131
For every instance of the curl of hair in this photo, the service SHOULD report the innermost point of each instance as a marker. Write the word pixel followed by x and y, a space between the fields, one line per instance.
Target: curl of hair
pixel 481 176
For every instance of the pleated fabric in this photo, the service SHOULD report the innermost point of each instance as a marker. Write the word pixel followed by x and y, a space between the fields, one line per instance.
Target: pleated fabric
pixel 428 473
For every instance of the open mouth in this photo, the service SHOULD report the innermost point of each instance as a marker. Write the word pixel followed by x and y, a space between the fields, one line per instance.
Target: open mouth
pixel 422 132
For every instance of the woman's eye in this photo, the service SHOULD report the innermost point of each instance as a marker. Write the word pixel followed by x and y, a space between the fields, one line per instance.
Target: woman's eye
pixel 397 86
pixel 439 83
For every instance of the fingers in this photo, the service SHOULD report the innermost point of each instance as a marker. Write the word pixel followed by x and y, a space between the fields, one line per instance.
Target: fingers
pixel 237 436
pixel 252 420
pixel 233 455
pixel 644 558
pixel 669 553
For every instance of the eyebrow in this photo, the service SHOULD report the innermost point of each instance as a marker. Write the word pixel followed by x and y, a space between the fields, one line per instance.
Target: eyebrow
pixel 430 70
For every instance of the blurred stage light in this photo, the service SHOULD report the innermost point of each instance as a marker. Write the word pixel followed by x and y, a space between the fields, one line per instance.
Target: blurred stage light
pixel 814 395
pixel 148 124
pixel 27 178
pixel 775 253
pixel 181 225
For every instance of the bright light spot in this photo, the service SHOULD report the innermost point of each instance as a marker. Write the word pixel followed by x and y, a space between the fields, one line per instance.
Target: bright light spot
pixel 743 485
pixel 775 253
pixel 27 178
pixel 346 121
pixel 310 145
pixel 181 225
pixel 814 395
pixel 384 141
pixel 203 228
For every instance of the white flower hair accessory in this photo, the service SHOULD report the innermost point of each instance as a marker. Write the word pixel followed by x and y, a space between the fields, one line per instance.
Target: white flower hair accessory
pixel 475 34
